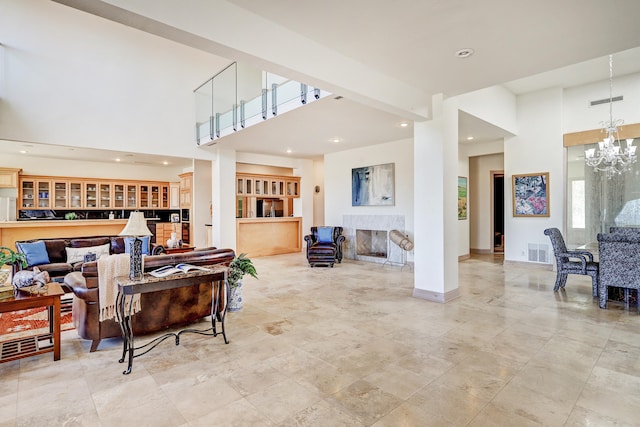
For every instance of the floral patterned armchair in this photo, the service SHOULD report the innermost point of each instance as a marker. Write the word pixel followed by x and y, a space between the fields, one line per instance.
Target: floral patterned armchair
pixel 572 262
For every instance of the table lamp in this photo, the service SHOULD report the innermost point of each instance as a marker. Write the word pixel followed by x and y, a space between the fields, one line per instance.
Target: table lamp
pixel 136 227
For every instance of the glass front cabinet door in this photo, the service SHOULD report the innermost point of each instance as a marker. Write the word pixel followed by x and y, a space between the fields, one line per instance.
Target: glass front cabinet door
pixel 60 194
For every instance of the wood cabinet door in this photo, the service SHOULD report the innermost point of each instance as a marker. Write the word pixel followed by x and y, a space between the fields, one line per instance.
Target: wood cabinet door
pixel 91 195
pixel 105 195
pixel 43 194
pixel 27 194
pixel 76 195
pixel 60 194
pixel 132 196
pixel 119 195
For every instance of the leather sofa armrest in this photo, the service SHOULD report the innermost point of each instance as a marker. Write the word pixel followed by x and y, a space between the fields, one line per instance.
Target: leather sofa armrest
pixel 78 284
pixel 309 239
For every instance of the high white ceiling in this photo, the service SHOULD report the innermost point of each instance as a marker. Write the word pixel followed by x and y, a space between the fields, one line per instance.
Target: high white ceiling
pixel 524 45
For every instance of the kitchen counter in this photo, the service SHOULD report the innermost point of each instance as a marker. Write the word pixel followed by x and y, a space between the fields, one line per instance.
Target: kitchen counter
pixel 268 236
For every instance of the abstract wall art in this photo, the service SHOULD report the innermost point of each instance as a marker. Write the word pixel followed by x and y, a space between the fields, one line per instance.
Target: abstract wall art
pixel 373 185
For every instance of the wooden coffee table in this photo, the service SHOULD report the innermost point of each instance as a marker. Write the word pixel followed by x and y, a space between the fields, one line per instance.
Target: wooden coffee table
pixel 34 344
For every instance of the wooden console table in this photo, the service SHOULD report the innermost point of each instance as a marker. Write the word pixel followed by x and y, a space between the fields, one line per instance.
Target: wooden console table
pixel 216 274
pixel 35 344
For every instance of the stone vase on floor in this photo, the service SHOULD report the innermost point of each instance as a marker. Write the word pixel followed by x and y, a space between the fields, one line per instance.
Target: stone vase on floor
pixel 235 298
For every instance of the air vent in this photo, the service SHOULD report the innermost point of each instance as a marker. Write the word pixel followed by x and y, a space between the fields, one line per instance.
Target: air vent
pixel 538 252
pixel 606 100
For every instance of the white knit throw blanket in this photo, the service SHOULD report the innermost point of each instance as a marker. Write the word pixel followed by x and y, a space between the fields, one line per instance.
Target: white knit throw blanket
pixel 109 268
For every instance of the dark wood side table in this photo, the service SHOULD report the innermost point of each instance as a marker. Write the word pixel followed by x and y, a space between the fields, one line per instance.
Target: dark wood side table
pixel 127 288
pixel 35 344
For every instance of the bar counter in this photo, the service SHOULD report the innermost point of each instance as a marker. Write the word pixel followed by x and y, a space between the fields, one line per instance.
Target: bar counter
pixel 268 236
pixel 12 231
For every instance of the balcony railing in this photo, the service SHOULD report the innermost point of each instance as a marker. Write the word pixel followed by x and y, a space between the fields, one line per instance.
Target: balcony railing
pixel 239 96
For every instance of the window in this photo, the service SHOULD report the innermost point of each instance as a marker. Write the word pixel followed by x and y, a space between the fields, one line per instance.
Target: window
pixel 577 204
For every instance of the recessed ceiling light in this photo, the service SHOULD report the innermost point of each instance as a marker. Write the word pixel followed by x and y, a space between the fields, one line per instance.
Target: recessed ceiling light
pixel 464 53
pixel 23 151
pixel 404 124
pixel 469 138
pixel 117 160
pixel 335 140
pixel 165 163
pixel 289 151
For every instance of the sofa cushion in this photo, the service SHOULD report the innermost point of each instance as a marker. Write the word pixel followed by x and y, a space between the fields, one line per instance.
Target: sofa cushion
pixel 325 234
pixel 56 250
pixel 36 252
pixel 75 255
pixel 56 269
pixel 117 245
pixel 128 241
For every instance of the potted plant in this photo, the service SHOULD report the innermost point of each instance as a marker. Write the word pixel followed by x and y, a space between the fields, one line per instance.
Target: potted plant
pixel 10 257
pixel 240 266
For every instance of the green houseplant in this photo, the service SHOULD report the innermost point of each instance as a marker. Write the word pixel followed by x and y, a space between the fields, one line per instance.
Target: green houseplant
pixel 238 267
pixel 9 257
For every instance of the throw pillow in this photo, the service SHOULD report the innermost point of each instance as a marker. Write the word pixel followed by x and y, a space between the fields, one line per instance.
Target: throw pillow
pixel 325 234
pixel 36 253
pixel 128 241
pixel 77 254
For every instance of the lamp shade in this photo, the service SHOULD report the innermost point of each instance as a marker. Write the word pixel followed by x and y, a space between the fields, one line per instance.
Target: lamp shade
pixel 136 226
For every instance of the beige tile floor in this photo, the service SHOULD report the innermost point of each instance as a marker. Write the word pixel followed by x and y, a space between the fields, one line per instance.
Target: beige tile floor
pixel 349 346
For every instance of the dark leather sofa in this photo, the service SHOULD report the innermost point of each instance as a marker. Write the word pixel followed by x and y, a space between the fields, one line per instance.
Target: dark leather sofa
pixel 160 310
pixel 58 266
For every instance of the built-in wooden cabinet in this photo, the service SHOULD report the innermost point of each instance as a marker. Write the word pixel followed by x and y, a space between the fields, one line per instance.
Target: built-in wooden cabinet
pixel 9 177
pixel 267 185
pixel 35 194
pixel 186 184
pixel 164 230
pixel 265 195
pixel 45 192
pixel 174 195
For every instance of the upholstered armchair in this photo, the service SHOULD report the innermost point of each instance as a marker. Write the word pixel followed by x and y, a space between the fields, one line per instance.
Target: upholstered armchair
pixel 324 246
pixel 572 262
pixel 619 262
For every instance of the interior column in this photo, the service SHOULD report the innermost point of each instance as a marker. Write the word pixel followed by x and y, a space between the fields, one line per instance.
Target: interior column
pixel 435 205
pixel 223 185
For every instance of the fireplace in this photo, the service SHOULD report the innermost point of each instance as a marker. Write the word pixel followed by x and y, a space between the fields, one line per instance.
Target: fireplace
pixel 366 238
pixel 371 243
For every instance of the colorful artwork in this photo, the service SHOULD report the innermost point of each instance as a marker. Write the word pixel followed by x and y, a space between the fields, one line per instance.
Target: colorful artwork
pixel 462 197
pixel 530 194
pixel 373 185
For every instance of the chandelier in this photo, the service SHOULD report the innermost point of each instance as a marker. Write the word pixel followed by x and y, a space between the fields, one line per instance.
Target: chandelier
pixel 612 156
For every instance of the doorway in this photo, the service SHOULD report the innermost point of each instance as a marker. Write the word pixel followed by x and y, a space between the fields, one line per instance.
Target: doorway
pixel 497 209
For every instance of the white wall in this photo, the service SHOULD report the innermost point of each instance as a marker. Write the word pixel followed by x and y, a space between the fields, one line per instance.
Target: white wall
pixel 578 115
pixel 318 198
pixel 337 181
pixel 537 148
pixel 72 78
pixel 481 207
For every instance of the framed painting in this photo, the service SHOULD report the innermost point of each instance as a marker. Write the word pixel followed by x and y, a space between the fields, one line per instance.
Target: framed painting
pixel 530 195
pixel 373 185
pixel 462 197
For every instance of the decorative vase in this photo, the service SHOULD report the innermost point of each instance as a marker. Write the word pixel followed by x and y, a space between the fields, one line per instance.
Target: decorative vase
pixel 173 241
pixel 235 298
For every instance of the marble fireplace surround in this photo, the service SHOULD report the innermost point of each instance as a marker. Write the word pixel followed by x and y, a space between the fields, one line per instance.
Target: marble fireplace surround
pixel 351 223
